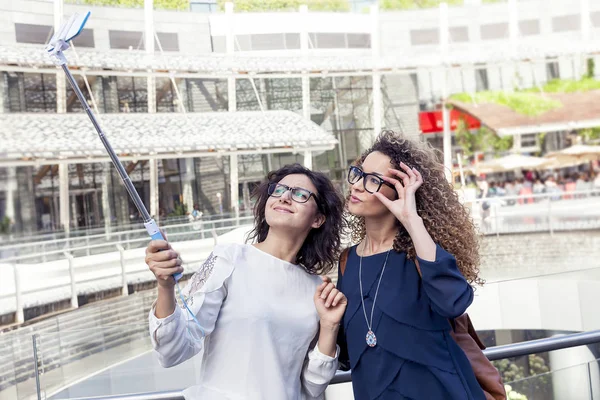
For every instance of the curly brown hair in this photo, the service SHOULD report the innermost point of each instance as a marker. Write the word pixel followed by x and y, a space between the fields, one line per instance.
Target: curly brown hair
pixel 445 218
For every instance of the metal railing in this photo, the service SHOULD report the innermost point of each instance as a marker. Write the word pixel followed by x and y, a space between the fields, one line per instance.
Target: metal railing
pixel 70 260
pixel 493 353
pixel 543 212
pixel 46 250
pixel 118 233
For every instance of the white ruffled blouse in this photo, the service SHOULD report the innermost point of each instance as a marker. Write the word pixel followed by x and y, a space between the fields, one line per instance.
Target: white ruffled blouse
pixel 261 327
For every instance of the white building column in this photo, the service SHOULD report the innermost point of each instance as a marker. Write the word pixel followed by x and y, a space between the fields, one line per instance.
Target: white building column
pixel 234 183
pixel 230 50
pixel 586 32
pixel 106 209
pixel 376 55
pixel 61 80
pixel 11 186
pixel 304 51
pixel 188 179
pixel 444 36
pixel 513 27
pixel 63 196
pixel 586 20
pixel 3 90
pixel 153 166
pixel 149 45
pixel 308 159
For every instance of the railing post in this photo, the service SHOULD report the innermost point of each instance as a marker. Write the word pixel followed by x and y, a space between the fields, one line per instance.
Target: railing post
pixel 550 226
pixel 495 208
pixel 37 368
pixel 214 235
pixel 125 288
pixel 44 259
pixel 87 245
pixel 71 259
pixel 19 315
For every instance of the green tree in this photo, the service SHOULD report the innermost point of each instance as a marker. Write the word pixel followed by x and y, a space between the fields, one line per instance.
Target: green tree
pixel 483 140
pixel 286 5
pixel 5 226
pixel 511 372
pixel 413 4
pixel 589 134
pixel 158 4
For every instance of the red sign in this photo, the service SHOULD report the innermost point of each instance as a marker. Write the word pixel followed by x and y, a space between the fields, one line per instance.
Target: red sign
pixel 432 122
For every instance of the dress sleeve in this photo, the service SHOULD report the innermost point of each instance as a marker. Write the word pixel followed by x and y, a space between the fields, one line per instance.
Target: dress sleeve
pixel 449 292
pixel 177 337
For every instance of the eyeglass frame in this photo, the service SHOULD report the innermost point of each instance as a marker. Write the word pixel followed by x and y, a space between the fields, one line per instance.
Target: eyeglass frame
pixel 291 189
pixel 364 174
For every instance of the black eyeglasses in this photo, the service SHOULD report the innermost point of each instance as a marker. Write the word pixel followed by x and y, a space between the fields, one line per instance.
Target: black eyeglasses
pixel 371 182
pixel 299 195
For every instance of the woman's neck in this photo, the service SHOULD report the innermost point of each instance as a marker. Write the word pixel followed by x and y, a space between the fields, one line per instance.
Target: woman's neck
pixel 282 246
pixel 379 234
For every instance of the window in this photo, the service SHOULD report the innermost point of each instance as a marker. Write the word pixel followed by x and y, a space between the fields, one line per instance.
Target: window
pixel 268 41
pixel 494 31
pixel 31 92
pixel 459 34
pixel 359 40
pixel 165 96
pixel 126 40
pixel 168 41
pixel 529 140
pixel 328 40
pixel 552 70
pixel 481 80
pixel 292 41
pixel 132 93
pixel 529 27
pixel 595 17
pixel 206 6
pixel 565 23
pixel 35 34
pixel 424 36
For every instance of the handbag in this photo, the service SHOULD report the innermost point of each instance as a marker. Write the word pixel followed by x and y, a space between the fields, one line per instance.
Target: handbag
pixel 464 334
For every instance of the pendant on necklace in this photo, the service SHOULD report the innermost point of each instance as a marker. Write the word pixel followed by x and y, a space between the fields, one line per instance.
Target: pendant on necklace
pixel 371 339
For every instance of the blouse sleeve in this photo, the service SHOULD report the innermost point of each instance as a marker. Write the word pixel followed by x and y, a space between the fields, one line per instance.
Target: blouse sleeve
pixel 319 369
pixel 449 292
pixel 177 337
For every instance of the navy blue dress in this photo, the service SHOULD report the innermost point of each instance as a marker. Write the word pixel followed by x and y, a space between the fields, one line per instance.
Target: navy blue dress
pixel 415 356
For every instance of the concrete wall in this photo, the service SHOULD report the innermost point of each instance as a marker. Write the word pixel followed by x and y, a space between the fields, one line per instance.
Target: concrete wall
pixel 536 281
pixel 527 255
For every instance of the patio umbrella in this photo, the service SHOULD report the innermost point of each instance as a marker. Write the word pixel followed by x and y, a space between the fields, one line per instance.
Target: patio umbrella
pixel 514 162
pixel 574 155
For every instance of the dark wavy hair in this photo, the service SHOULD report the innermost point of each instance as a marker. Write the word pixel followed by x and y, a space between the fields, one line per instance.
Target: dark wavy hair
pixel 319 253
pixel 445 218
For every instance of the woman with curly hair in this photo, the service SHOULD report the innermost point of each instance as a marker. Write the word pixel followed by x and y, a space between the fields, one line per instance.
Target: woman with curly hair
pixel 266 321
pixel 411 271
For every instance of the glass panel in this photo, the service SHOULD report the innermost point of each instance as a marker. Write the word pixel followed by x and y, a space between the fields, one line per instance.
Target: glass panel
pixel 105 361
pixel 576 382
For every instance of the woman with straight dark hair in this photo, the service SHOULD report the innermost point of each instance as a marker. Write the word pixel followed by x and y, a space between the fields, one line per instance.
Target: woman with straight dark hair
pixel 268 320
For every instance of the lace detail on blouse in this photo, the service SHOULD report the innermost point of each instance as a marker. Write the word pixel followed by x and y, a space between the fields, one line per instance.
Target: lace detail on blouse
pixel 199 279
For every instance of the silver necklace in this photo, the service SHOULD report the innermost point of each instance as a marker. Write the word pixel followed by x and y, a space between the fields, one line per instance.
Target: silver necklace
pixel 371 338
